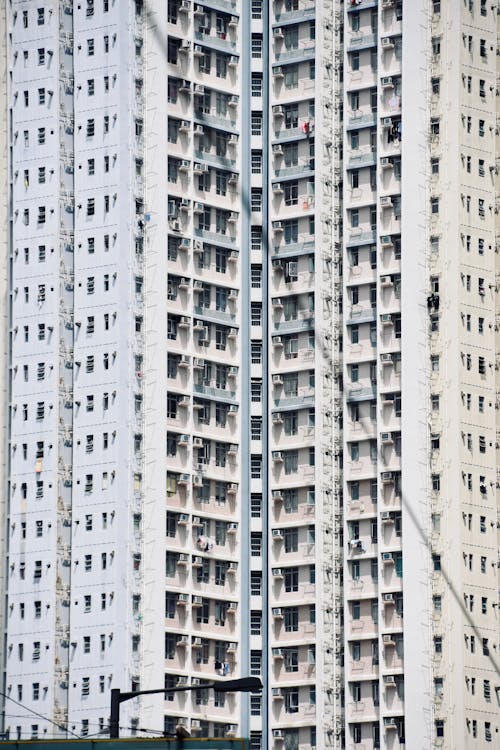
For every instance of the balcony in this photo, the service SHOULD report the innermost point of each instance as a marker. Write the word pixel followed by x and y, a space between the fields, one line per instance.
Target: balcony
pixel 294 249
pixel 368 159
pixel 292 134
pixel 305 51
pixel 301 401
pixel 356 122
pixel 221 394
pixel 362 5
pixel 214 160
pixel 216 316
pixel 362 394
pixel 226 5
pixel 358 314
pixel 223 240
pixel 218 42
pixel 302 169
pixel 305 13
pixel 361 42
pixel 296 325
pixel 362 238
pixel 215 119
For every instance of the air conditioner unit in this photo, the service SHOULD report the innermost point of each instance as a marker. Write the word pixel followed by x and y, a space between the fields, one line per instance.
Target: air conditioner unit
pixel 387 122
pixel 386 281
pixel 198 130
pixel 278 149
pixel 387 557
pixel 278 72
pixel 184 360
pixel 277 341
pixel 183 440
pixel 184 322
pixel 277 495
pixel 278 653
pixel 387 82
pixel 184 283
pixel 276 692
pixel 277 264
pixel 233 100
pixel 387 476
pixel 199 88
pixel 278 613
pixel 278 226
pixel 185 86
pixel 197 480
pixel 182 599
pixel 185 244
pixel 390 722
pixel 232 488
pixel 196 641
pixel 385 162
pixel 386 240
pixel 386 438
pixel 232 607
pixel 278 32
pixel 233 138
pixel 232 527
pixel 233 409
pixel 197 562
pixel 277 379
pixel 387 638
pixel 389 598
pixel 195 723
pixel 277 456
pixel 198 363
pixel 233 61
pixel 386 319
pixel 277 573
pixel 277 188
pixel 232 333
pixel 386 358
pixel 175 225
pixel 183 640
pixel 385 515
pixel 278 110
pixel 197 601
pixel 198 50
pixel 198 442
pixel 277 534
pixel 277 302
pixel 278 734
pixel 277 418
pixel 387 42
pixel 389 679
pixel 183 519
pixel 233 567
pixel 386 201
pixel 199 168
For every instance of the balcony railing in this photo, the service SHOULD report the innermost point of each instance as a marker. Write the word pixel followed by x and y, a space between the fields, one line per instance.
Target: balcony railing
pixel 217 238
pixel 298 54
pixel 301 14
pixel 215 160
pixel 304 166
pixel 219 42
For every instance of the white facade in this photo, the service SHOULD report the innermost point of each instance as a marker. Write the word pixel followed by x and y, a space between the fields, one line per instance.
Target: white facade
pixel 252 369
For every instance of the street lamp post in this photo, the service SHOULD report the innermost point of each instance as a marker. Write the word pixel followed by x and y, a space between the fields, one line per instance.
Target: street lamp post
pixel 240 685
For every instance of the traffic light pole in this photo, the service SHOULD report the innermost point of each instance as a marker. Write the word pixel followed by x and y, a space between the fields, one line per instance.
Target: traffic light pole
pixel 241 685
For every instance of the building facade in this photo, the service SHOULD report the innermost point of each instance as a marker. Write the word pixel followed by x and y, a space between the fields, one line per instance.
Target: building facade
pixel 251 369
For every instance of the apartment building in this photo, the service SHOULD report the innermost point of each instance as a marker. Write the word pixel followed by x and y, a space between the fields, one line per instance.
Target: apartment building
pixel 75 452
pixel 252 336
pixel 420 568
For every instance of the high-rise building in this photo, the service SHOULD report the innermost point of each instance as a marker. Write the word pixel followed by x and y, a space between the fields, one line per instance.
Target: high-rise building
pixel 251 369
